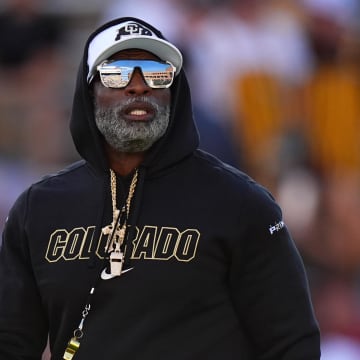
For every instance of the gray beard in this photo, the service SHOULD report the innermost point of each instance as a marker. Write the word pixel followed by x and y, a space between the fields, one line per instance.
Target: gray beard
pixel 133 136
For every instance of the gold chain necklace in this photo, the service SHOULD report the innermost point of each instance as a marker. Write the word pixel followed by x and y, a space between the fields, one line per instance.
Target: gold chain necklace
pixel 115 231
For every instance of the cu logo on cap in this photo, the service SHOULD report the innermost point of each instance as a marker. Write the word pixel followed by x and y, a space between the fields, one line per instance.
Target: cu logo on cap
pixel 132 29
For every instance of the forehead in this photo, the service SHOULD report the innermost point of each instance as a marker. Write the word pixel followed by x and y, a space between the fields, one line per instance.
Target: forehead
pixel 136 54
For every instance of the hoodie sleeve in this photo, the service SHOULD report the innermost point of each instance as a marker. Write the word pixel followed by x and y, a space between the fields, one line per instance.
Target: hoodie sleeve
pixel 23 324
pixel 270 289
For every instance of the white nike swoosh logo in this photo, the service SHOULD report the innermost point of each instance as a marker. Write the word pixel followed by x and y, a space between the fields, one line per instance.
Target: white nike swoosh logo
pixel 106 276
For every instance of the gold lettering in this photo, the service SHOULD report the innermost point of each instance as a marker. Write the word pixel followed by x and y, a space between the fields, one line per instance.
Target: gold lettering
pixel 74 244
pixel 144 246
pixel 56 245
pixel 150 243
pixel 187 245
pixel 100 250
pixel 86 248
pixel 166 244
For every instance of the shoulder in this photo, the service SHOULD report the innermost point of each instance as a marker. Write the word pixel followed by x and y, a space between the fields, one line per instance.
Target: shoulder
pixel 73 169
pixel 78 175
pixel 223 174
pixel 73 176
pixel 236 189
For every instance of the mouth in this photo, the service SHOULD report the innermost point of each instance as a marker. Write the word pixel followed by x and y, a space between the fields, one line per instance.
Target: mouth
pixel 139 112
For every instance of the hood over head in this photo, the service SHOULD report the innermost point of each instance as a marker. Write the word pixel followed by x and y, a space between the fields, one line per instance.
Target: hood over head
pixel 181 137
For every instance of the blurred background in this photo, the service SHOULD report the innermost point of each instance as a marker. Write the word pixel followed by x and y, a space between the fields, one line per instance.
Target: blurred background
pixel 276 92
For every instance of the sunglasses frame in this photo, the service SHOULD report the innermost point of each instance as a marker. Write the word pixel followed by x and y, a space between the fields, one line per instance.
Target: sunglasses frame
pixel 106 69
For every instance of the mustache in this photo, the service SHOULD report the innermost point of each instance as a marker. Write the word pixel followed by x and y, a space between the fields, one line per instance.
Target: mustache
pixel 121 106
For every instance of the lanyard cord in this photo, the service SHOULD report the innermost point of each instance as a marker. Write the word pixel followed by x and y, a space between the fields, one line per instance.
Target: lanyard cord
pixel 74 343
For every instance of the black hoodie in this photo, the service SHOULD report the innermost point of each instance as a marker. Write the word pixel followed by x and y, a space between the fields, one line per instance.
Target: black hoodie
pixel 215 273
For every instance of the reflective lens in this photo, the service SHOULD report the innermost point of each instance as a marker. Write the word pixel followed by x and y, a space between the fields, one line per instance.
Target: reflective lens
pixel 118 73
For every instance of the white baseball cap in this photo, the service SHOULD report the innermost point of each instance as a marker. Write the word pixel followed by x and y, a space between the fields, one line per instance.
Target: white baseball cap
pixel 130 34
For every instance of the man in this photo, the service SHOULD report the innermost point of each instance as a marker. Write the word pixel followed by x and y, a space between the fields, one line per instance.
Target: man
pixel 148 248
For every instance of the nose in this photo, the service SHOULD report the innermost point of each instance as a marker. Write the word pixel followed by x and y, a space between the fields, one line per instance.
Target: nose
pixel 137 84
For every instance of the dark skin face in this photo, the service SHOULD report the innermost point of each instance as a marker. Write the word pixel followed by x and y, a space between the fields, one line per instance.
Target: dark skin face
pixel 124 163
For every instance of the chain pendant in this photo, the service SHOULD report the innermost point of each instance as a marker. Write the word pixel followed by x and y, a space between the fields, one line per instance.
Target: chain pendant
pixel 72 346
pixel 113 231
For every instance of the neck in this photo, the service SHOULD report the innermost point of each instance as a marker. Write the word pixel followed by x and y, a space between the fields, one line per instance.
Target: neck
pixel 124 163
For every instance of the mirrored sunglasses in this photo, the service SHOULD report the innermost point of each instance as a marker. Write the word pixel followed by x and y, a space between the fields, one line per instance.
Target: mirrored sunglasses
pixel 117 73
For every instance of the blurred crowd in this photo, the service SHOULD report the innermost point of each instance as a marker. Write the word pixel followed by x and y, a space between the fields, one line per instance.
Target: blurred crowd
pixel 276 92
